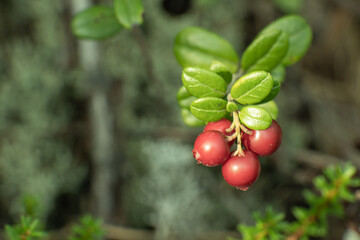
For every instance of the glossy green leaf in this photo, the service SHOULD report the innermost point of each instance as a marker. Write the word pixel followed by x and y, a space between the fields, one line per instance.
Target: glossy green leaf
pixel 255 117
pixel 189 119
pixel 221 70
pixel 209 109
pixel 98 22
pixel 273 93
pixel 299 34
pixel 203 83
pixel 184 98
pixel 271 107
pixel 278 73
pixel 129 12
pixel 266 51
pixel 252 88
pixel 197 47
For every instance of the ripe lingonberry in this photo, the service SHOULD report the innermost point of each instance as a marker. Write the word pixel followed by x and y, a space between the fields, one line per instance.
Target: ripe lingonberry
pixel 241 172
pixel 264 142
pixel 211 148
pixel 221 126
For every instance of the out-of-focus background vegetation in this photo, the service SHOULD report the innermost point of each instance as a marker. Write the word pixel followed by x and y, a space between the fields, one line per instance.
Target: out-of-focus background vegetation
pixel 95 127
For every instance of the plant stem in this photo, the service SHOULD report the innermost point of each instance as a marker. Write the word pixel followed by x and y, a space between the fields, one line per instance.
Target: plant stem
pixel 237 125
pixel 298 233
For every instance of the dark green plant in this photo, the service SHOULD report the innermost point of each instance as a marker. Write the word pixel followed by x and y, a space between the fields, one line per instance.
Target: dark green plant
pixel 89 228
pixel 27 229
pixel 331 189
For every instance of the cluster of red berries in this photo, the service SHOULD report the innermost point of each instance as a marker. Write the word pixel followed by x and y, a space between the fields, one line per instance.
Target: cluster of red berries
pixel 240 170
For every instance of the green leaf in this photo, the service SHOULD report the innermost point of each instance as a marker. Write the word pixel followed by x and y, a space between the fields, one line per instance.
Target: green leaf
pixel 289 6
pixel 266 51
pixel 209 109
pixel 252 88
pixel 345 194
pixel 300 213
pixel 299 34
pixel 184 98
pixel 273 93
pixel 129 12
pixel 189 119
pixel 278 73
pixel 222 70
pixel 98 22
pixel 271 107
pixel 255 117
pixel 197 47
pixel 203 83
pixel 231 107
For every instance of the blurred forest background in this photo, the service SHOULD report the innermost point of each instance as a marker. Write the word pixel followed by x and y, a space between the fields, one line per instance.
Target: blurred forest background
pixel 95 127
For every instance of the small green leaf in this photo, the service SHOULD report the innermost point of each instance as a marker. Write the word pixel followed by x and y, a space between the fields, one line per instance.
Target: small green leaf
pixel 271 107
pixel 222 70
pixel 300 213
pixel 203 83
pixel 255 118
pixel 231 107
pixel 273 93
pixel 98 22
pixel 197 47
pixel 209 109
pixel 354 182
pixel 189 119
pixel 299 33
pixel 345 194
pixel 184 98
pixel 252 88
pixel 129 12
pixel 266 51
pixel 278 73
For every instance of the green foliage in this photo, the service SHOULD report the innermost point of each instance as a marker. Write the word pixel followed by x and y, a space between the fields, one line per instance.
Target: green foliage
pixel 222 70
pixel 271 107
pixel 209 109
pixel 189 119
pixel 273 93
pixel 129 12
pixel 27 229
pixel 333 187
pixel 98 22
pixel 255 117
pixel 268 226
pixel 266 51
pixel 299 34
pixel 264 60
pixel 252 88
pixel 184 98
pixel 89 228
pixel 278 73
pixel 197 47
pixel 203 83
pixel 102 22
pixel 289 6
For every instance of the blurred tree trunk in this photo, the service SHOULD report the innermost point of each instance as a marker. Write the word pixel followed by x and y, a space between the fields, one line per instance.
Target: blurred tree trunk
pixel 101 123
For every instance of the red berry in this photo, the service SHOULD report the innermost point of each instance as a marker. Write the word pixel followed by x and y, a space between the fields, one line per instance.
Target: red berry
pixel 264 142
pixel 221 126
pixel 241 172
pixel 211 148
